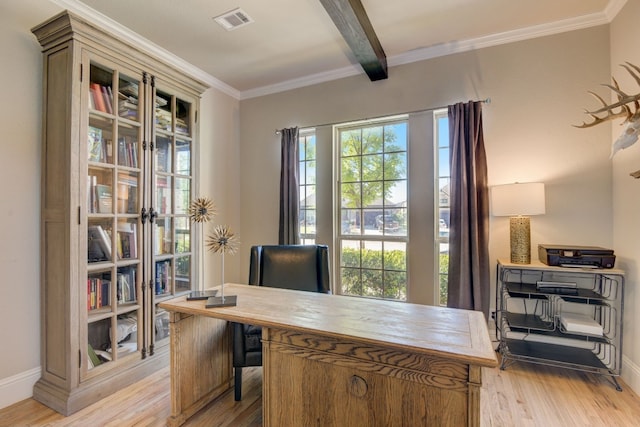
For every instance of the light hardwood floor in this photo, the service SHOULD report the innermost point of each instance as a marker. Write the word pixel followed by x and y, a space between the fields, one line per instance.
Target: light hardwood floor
pixel 522 395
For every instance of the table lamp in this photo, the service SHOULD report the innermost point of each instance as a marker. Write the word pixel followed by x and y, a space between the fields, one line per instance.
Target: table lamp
pixel 519 201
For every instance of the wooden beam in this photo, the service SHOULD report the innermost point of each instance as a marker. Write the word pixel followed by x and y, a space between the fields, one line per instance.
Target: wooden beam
pixel 356 29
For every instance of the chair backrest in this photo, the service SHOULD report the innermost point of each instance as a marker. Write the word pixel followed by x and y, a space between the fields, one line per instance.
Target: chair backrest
pixel 300 267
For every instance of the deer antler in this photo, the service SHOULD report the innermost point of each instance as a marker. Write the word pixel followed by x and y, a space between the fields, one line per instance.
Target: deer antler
pixel 623 102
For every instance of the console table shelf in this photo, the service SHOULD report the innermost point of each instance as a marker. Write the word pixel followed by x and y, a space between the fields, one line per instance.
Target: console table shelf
pixel 575 326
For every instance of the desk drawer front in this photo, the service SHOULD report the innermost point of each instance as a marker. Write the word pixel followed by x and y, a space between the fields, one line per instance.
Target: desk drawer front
pixel 304 386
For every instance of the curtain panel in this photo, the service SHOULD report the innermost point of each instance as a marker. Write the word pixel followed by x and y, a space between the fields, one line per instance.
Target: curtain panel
pixel 289 228
pixel 469 286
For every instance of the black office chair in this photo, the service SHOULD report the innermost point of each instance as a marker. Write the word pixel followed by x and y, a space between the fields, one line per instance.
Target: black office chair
pixel 300 267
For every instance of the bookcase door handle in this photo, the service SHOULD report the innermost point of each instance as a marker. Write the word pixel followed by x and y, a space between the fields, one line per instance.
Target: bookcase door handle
pixel 152 215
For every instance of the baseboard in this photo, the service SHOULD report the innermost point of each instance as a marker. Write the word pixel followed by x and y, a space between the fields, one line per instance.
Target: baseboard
pixel 631 374
pixel 18 387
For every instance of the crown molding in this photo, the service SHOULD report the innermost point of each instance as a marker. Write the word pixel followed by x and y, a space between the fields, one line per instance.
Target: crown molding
pixel 444 49
pixel 613 8
pixel 113 27
pixel 127 35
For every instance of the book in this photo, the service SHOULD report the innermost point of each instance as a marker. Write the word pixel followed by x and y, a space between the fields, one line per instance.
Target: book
pixel 107 99
pixel 92 205
pixel 104 198
pixel 99 244
pixel 95 149
pixel 98 99
pixel 94 360
pixel 127 240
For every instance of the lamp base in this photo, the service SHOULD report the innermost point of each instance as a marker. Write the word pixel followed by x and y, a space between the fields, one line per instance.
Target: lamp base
pixel 520 232
pixel 225 301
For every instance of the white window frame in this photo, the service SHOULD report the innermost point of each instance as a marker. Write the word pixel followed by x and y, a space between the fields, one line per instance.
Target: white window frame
pixel 337 222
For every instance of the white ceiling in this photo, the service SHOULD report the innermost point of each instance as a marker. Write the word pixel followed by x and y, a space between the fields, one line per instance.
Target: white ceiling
pixel 294 42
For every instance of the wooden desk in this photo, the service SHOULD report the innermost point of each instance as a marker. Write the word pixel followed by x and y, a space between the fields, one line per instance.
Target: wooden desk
pixel 334 360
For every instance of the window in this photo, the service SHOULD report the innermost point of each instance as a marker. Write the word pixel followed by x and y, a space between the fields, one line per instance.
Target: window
pixel 307 149
pixel 371 197
pixel 442 203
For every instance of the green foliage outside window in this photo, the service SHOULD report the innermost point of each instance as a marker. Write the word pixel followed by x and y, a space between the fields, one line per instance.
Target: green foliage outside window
pixel 444 277
pixel 362 273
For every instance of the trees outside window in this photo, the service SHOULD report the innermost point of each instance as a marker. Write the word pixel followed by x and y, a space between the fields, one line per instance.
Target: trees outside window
pixel 372 200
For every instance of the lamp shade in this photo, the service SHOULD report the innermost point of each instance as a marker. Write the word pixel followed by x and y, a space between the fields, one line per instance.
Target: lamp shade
pixel 518 199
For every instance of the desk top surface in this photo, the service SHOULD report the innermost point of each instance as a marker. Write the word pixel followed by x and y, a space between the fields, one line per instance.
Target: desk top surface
pixel 438 331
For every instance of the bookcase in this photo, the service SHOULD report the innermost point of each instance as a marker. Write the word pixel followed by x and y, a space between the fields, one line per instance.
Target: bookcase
pixel 120 132
pixel 560 316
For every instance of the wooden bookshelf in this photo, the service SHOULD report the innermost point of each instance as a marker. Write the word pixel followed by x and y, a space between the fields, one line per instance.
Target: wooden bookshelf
pixel 106 104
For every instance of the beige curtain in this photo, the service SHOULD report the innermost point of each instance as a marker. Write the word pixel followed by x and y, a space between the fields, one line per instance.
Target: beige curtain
pixel 469 285
pixel 289 230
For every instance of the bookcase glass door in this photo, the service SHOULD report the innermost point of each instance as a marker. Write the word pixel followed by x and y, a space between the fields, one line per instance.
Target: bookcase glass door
pixel 172 181
pixel 114 229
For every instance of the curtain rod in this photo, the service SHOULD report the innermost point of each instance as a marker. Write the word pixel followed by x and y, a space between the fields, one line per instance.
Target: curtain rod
pixel 484 101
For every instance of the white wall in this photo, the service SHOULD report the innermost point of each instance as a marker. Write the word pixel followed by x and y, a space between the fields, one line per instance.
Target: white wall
pixel 625 34
pixel 20 121
pixel 537 90
pixel 20 118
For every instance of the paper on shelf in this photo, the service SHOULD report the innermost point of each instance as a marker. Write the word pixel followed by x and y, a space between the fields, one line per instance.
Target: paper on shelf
pixel 580 323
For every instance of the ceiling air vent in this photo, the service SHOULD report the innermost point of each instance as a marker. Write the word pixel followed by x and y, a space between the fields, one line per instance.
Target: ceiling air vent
pixel 233 19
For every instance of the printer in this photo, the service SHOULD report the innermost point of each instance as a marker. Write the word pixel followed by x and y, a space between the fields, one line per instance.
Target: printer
pixel 576 256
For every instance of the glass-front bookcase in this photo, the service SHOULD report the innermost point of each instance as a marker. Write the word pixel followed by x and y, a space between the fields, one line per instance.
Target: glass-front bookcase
pixel 119 136
pixel 135 189
pixel 172 184
pixel 114 191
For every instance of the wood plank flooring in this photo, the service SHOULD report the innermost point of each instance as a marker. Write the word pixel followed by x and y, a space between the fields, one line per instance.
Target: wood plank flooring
pixel 522 395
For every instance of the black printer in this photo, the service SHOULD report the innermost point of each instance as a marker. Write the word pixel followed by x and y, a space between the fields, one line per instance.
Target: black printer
pixel 576 256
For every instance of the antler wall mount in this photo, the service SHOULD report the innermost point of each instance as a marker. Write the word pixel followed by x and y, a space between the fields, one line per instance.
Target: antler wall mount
pixel 627 106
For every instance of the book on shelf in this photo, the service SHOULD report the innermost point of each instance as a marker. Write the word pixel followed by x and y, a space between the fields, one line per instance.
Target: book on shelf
pixel 127 240
pixel 163 277
pixel 95 148
pixel 98 100
pixel 94 360
pixel 104 198
pixel 129 90
pixel 92 203
pixel 126 287
pixel 127 152
pixel 98 244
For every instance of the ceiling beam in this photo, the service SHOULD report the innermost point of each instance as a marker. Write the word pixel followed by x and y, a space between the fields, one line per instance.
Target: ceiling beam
pixel 356 29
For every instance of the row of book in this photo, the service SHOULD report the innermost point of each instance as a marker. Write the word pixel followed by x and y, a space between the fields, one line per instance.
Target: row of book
pixel 98 291
pixel 100 149
pixel 128 151
pixel 101 98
